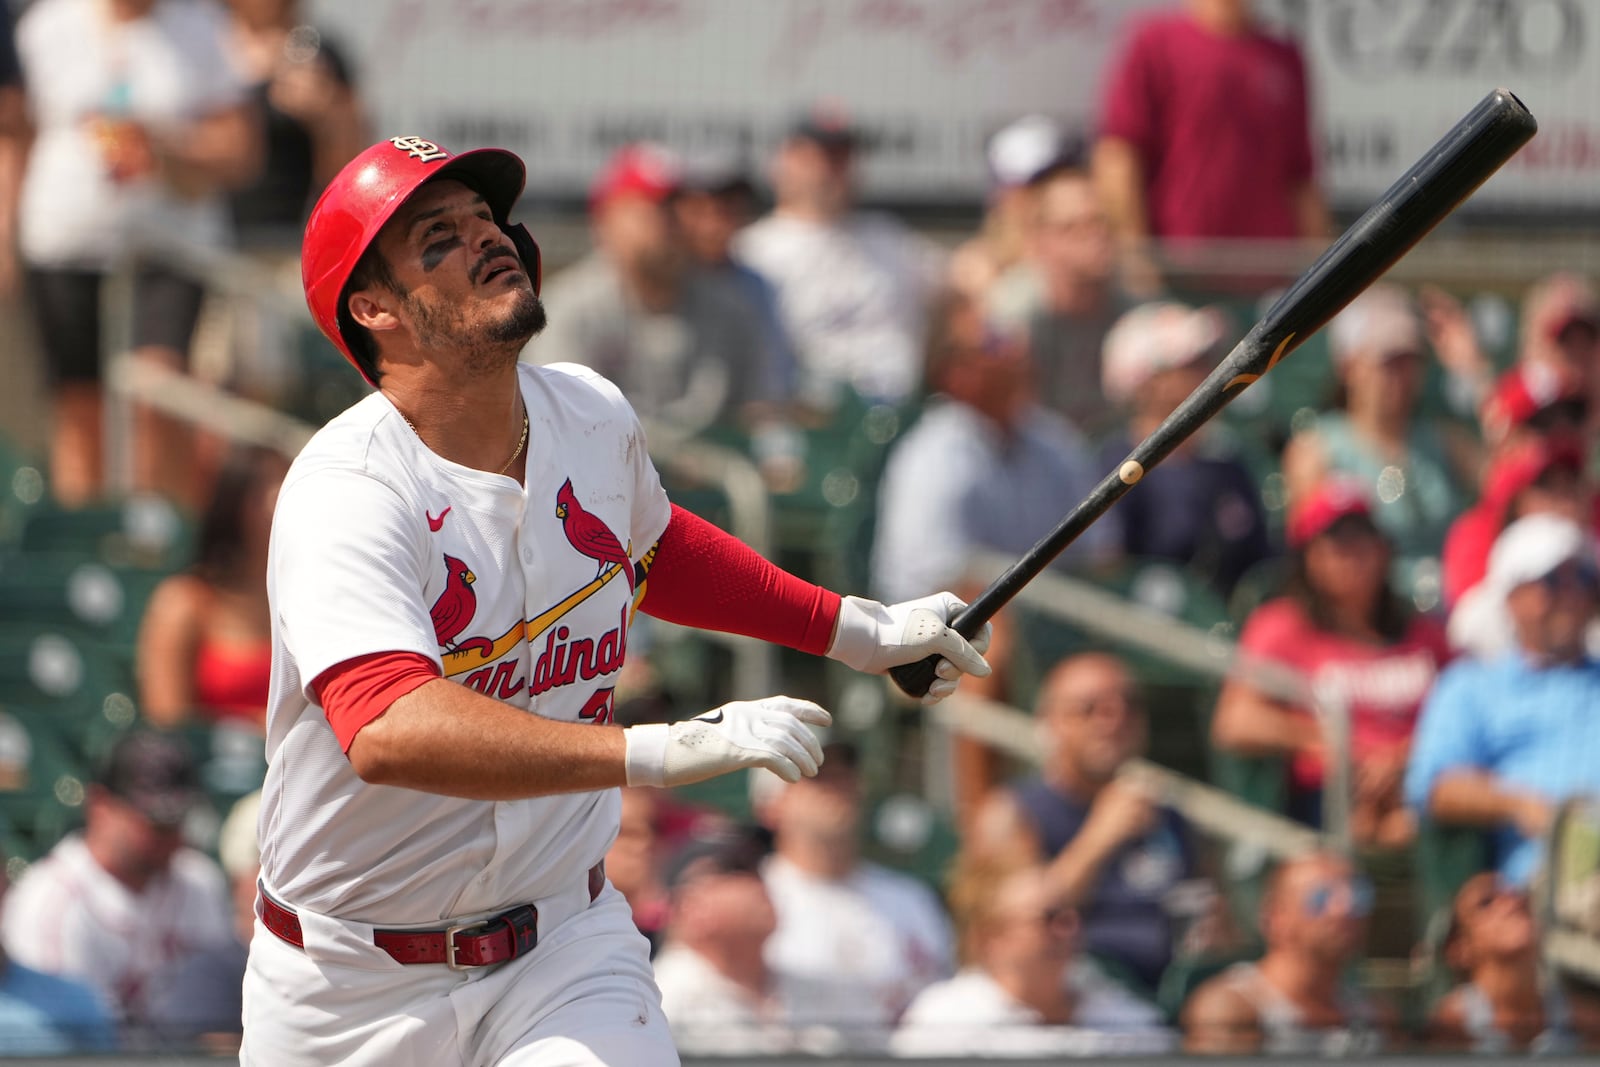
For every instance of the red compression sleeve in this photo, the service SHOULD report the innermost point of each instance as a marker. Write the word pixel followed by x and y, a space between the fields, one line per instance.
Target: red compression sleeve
pixel 355 692
pixel 711 580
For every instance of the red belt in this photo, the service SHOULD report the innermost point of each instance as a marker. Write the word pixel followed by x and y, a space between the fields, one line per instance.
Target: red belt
pixel 476 944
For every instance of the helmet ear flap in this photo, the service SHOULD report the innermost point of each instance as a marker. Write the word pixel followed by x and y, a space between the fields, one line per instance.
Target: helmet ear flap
pixel 528 249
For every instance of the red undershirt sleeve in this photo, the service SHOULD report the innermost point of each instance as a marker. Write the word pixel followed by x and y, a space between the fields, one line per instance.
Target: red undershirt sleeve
pixel 708 579
pixel 355 692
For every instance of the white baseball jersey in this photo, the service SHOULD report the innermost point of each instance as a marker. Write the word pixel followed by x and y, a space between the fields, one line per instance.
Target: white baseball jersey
pixel 522 593
pixel 69 916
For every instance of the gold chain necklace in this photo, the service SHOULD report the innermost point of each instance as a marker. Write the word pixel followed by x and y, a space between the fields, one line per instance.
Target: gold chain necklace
pixel 522 442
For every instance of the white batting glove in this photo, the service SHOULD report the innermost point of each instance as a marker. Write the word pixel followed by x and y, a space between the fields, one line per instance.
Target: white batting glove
pixel 872 637
pixel 771 733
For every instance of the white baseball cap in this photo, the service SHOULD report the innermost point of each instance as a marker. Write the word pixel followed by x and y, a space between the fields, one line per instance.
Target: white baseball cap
pixel 1025 149
pixel 1533 547
pixel 1380 321
pixel 1153 338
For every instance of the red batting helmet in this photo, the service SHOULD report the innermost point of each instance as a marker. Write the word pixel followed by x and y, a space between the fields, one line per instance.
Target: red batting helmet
pixel 370 188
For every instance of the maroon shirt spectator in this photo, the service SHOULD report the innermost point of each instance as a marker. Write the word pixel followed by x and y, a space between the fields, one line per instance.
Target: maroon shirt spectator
pixel 1205 130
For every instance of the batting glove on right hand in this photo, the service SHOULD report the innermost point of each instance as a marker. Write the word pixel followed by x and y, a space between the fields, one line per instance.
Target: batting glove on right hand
pixel 771 733
pixel 873 637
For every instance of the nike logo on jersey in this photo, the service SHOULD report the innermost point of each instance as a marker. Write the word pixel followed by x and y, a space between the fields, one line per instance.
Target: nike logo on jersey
pixel 712 717
pixel 435 524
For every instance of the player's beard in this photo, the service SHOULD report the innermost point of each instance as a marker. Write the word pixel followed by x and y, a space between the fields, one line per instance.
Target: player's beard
pixel 486 345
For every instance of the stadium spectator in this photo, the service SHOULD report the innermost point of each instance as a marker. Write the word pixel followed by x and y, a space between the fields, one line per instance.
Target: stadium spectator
pixel 312 116
pixel 1200 507
pixel 1412 469
pixel 45 1015
pixel 205 644
pixel 1205 132
pixel 141 127
pixel 984 468
pixel 1113 855
pixel 14 132
pixel 125 901
pixel 1535 401
pixel 855 941
pixel 717 991
pixel 1295 999
pixel 1065 295
pixel 199 1003
pixel 854 287
pixel 1536 466
pixel 1561 330
pixel 1537 479
pixel 1506 1001
pixel 685 347
pixel 1025 988
pixel 712 205
pixel 1502 742
pixel 1343 634
pixel 633 862
pixel 1019 156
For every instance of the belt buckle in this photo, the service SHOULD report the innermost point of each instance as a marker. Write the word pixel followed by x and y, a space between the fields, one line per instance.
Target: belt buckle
pixel 450 933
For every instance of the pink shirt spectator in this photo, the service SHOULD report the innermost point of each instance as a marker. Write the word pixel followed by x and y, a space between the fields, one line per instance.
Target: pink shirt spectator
pixel 1384 685
pixel 1221 125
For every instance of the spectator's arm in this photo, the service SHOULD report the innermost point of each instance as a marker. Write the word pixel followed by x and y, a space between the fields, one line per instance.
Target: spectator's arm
pixel 221 150
pixel 1250 723
pixel 1311 212
pixel 169 638
pixel 16 137
pixel 1121 813
pixel 1218 1021
pixel 1118 175
pixel 1470 797
pixel 1304 464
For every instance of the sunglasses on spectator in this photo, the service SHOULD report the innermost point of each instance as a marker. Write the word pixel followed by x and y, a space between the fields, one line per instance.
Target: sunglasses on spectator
pixel 1352 898
pixel 1492 894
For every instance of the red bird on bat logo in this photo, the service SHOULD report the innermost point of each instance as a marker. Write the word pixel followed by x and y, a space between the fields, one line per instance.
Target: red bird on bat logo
pixel 452 612
pixel 588 534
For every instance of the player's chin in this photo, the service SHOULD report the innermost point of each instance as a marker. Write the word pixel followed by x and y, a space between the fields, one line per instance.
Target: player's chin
pixel 521 316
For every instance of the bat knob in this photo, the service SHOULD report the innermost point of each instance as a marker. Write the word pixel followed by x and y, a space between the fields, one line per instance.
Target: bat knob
pixel 914 679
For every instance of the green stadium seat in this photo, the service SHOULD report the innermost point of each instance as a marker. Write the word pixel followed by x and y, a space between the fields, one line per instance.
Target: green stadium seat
pixel 75 590
pixel 140 531
pixel 22 490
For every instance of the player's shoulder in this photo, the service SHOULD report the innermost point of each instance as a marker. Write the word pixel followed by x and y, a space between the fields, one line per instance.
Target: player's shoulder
pixel 357 441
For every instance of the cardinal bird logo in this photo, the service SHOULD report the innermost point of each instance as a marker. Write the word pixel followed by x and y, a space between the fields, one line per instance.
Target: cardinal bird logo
pixel 589 535
pixel 453 611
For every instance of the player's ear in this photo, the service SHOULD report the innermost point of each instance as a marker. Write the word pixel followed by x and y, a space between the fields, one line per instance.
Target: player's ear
pixel 374 308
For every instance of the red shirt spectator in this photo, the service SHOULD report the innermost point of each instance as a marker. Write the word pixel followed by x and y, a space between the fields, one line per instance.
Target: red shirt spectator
pixel 1384 685
pixel 1217 116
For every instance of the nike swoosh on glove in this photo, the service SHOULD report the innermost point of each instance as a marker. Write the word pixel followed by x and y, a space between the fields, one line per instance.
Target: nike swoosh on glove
pixel 774 733
pixel 872 637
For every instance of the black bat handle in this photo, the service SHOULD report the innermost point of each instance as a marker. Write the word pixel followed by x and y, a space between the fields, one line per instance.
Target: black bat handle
pixel 915 678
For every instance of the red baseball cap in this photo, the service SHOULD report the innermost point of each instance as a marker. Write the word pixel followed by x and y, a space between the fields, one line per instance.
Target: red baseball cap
pixel 1331 500
pixel 1518 468
pixel 644 170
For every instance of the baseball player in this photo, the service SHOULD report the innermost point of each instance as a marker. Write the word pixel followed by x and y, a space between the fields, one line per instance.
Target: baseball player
pixel 455 563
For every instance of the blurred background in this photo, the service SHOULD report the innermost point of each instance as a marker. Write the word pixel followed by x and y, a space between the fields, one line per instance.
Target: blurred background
pixel 1291 753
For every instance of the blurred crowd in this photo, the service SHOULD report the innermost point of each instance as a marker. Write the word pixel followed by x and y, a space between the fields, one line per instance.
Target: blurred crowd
pixel 1410 568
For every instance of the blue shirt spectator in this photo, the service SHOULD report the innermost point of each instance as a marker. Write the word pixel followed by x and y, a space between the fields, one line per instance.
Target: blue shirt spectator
pixel 42 1015
pixel 986 468
pixel 1502 743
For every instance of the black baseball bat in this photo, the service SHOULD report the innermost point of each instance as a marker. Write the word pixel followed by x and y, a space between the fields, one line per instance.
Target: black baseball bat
pixel 1436 184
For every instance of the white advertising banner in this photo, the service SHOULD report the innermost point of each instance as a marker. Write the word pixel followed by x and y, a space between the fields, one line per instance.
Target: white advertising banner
pixel 564 82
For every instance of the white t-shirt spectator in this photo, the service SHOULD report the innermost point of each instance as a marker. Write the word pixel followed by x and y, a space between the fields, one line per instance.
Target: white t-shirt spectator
pixel 853 296
pixel 852 953
pixel 971 1015
pixel 68 916
pixel 710 1014
pixel 161 71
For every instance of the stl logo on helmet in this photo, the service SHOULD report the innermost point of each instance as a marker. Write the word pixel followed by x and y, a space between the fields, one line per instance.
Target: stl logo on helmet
pixel 419 149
